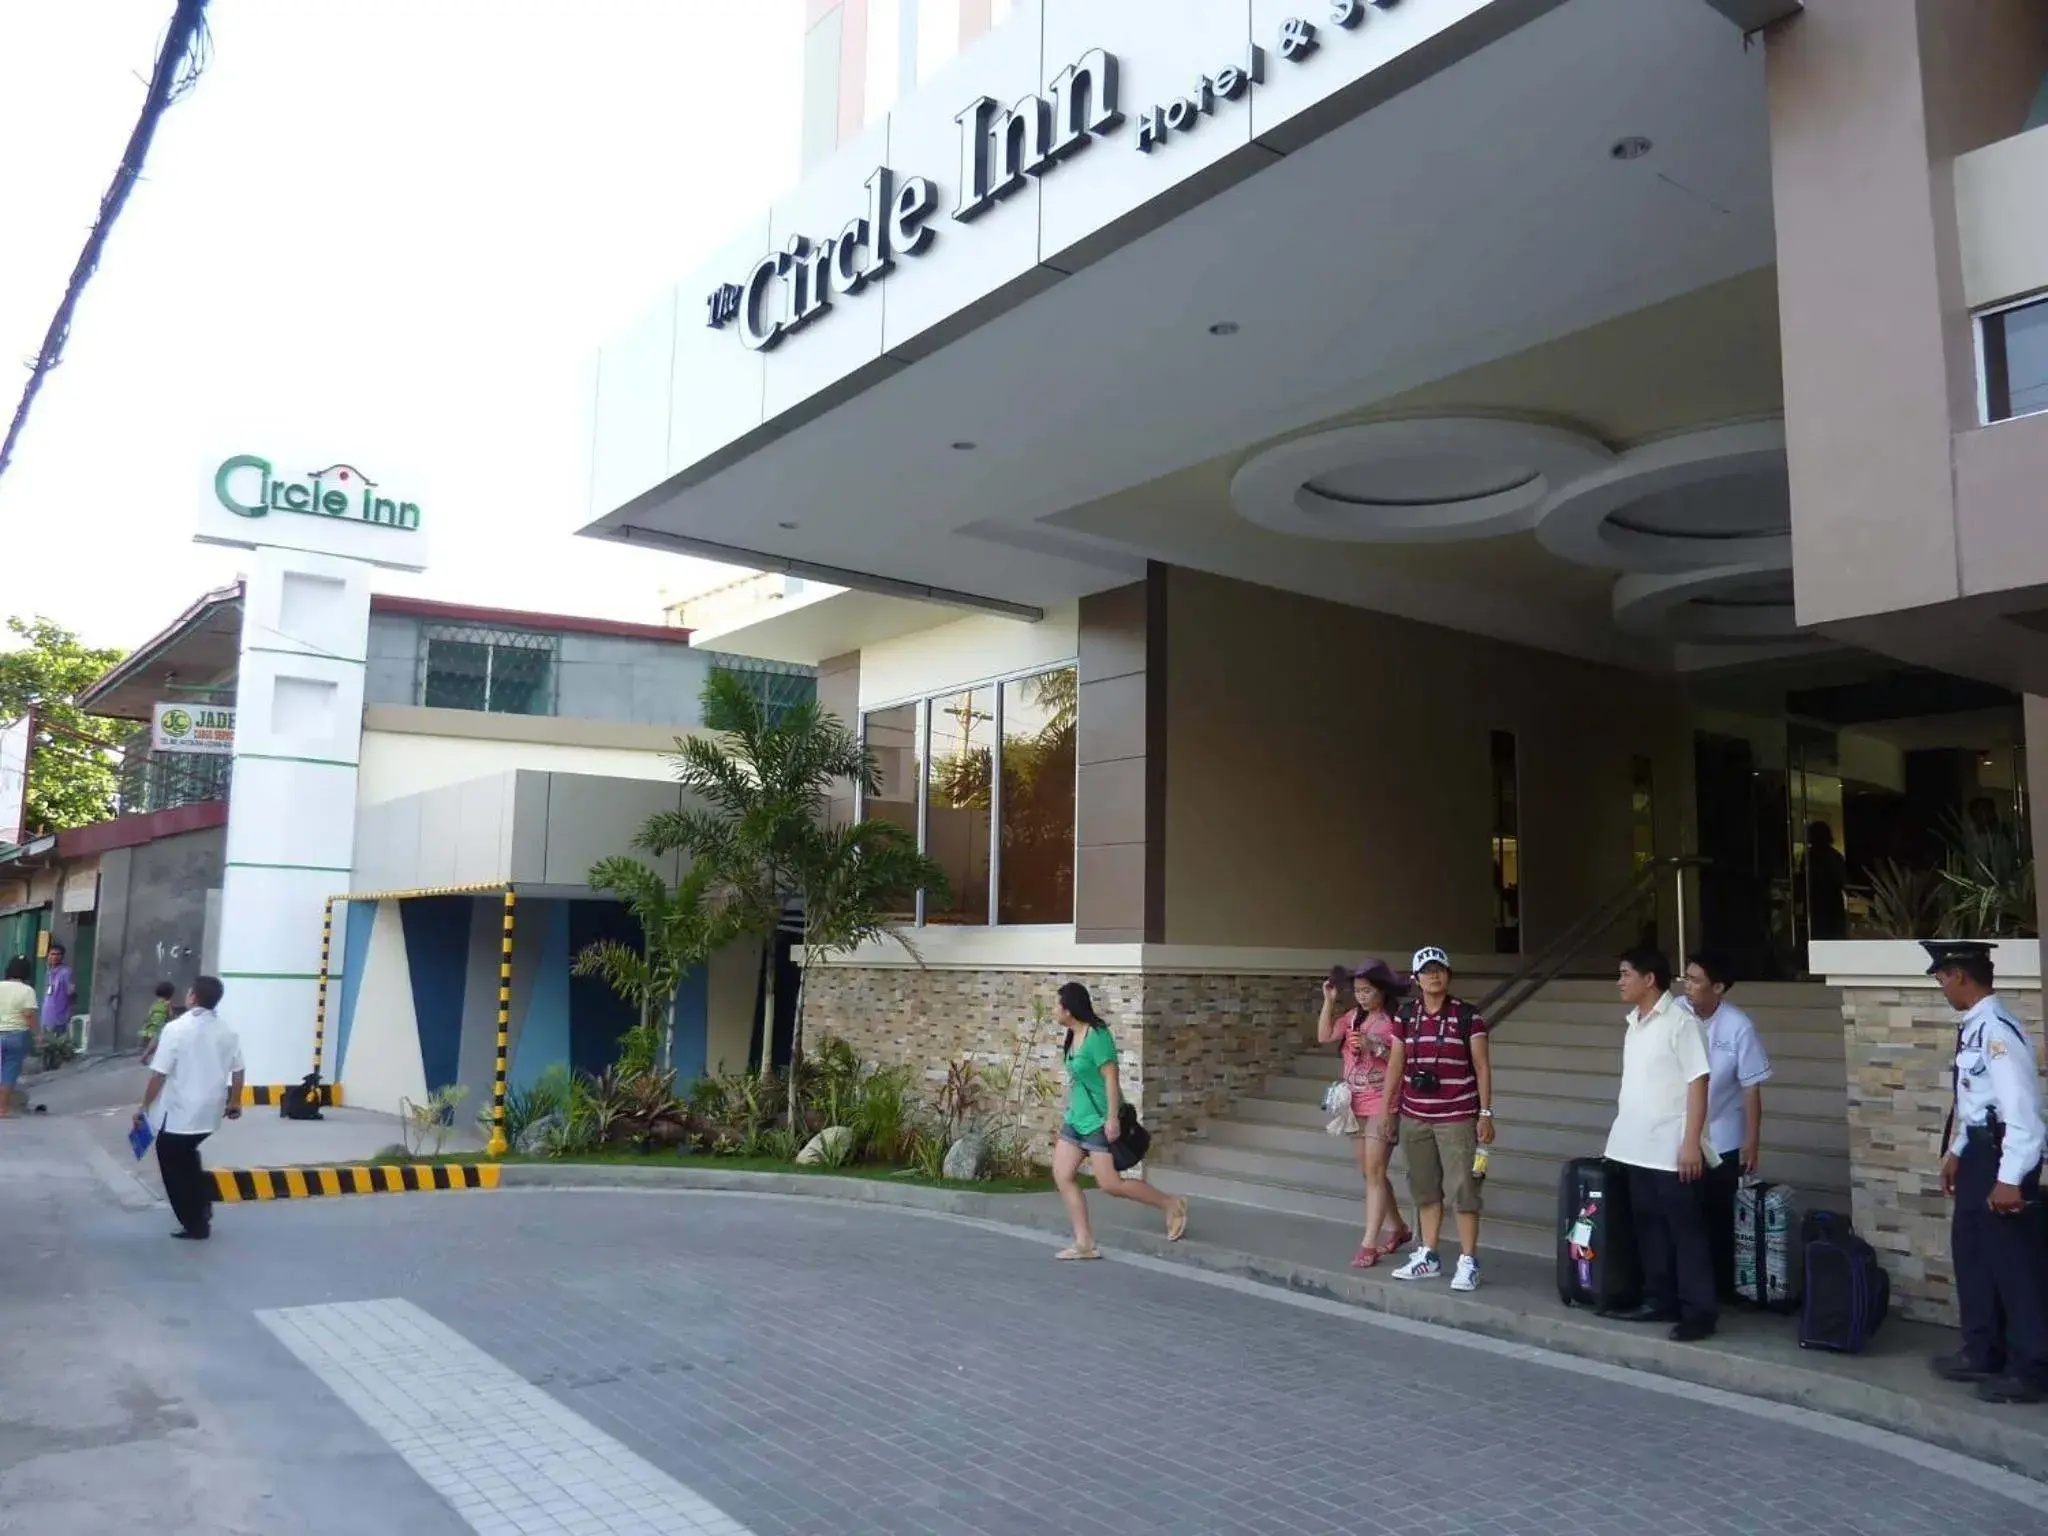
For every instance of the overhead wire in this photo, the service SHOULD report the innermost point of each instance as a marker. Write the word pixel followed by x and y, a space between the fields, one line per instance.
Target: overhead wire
pixel 187 49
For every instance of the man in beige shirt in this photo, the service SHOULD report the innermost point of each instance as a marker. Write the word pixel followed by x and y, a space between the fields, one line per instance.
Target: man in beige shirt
pixel 1659 1136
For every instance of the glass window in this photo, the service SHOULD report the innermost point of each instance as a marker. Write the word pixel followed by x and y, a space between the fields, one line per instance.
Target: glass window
pixel 885 58
pixel 938 36
pixel 1035 880
pixel 502 672
pixel 958 802
pixel 892 736
pixel 2015 351
pixel 1507 847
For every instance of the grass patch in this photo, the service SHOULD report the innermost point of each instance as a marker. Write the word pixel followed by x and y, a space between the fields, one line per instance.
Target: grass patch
pixel 626 1157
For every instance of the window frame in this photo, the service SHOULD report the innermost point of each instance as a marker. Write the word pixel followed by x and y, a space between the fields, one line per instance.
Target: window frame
pixel 1989 341
pixel 923 701
pixel 491 637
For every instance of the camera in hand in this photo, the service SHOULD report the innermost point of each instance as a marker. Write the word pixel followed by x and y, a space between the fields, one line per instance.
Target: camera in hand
pixel 1424 1079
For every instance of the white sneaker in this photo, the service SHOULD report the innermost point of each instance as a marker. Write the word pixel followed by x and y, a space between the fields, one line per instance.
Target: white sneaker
pixel 1467 1277
pixel 1421 1265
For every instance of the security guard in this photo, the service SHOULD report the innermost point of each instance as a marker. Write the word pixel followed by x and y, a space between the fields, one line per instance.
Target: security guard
pixel 1999 1233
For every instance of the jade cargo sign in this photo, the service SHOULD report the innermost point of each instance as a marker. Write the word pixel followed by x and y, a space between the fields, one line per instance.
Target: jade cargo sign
pixel 208 728
pixel 255 500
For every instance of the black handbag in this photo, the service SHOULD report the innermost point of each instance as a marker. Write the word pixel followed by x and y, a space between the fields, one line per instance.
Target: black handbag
pixel 1132 1142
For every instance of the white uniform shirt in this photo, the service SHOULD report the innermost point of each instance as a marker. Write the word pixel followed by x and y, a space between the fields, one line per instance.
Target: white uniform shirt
pixel 1996 1073
pixel 198 1055
pixel 1736 1062
pixel 1664 1054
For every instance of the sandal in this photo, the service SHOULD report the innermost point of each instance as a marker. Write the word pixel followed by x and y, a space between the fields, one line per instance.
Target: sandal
pixel 1077 1252
pixel 1367 1256
pixel 1401 1238
pixel 1176 1221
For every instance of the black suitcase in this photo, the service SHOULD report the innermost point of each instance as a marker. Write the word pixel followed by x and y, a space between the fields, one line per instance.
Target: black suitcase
pixel 1597 1264
pixel 1848 1294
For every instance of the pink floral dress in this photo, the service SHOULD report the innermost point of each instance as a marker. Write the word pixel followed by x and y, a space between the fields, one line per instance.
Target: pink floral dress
pixel 1366 1050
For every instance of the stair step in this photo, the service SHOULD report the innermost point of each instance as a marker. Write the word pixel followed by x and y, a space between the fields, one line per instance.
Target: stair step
pixel 1772 1023
pixel 1792 1058
pixel 1343 1214
pixel 1751 995
pixel 1512 1059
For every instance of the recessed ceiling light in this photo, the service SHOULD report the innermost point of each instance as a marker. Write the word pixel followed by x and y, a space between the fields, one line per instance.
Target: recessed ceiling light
pixel 790 526
pixel 964 446
pixel 1223 328
pixel 1634 147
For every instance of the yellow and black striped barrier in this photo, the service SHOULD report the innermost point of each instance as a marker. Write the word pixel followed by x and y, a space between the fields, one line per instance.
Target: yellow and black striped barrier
pixel 242 1184
pixel 270 1095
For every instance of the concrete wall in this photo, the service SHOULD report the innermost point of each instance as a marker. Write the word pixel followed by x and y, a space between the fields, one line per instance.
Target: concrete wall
pixel 529 828
pixel 1328 778
pixel 407 750
pixel 954 656
pixel 152 926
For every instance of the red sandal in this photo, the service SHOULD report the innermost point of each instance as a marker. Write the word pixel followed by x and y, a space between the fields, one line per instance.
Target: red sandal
pixel 1367 1256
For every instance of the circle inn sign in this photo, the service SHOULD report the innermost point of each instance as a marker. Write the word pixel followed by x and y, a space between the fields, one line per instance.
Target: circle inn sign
pixel 1000 146
pixel 248 487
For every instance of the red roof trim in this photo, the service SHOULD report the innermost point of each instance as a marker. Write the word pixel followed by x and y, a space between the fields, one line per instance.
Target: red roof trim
pixel 133 831
pixel 512 618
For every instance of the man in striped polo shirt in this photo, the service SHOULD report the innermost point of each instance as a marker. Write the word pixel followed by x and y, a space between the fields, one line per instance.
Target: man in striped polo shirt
pixel 1440 1060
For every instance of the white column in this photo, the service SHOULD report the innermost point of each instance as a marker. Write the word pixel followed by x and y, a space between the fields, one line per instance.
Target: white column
pixel 291 810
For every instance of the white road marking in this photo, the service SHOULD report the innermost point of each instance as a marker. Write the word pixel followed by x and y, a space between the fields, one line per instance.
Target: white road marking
pixel 505 1454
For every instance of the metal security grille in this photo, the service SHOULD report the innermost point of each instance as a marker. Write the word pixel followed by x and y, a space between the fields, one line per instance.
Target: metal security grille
pixel 780 686
pixel 498 671
pixel 163 781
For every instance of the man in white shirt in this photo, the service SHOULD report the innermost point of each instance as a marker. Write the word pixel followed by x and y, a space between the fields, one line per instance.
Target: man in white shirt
pixel 1659 1136
pixel 1738 1068
pixel 197 1073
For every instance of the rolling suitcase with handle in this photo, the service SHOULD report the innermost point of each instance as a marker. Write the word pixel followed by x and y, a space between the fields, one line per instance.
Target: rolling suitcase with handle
pixel 1596 1249
pixel 1769 1267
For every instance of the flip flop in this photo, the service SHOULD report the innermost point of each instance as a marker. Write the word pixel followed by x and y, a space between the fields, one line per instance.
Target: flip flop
pixel 1177 1221
pixel 1077 1253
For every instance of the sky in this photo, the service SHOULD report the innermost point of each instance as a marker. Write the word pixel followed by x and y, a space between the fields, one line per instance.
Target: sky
pixel 398 229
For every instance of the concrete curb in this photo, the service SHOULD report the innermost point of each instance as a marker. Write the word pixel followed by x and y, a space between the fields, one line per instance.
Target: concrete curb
pixel 2016 1440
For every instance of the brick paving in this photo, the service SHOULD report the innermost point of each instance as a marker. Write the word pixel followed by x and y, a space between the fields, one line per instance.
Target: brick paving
pixel 806 1369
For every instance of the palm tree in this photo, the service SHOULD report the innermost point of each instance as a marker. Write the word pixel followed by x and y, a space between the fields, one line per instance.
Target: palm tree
pixel 762 777
pixel 680 929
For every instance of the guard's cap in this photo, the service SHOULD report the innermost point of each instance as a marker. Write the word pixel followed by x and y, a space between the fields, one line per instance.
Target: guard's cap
pixel 1943 952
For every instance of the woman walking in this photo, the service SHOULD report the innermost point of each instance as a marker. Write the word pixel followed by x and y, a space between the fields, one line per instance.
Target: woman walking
pixel 17 1029
pixel 1092 1126
pixel 1367 1035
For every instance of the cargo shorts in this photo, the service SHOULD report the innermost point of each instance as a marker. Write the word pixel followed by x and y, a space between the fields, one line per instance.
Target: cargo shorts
pixel 1440 1163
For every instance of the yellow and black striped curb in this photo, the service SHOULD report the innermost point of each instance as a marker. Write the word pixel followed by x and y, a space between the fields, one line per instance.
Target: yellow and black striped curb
pixel 240 1184
pixel 270 1095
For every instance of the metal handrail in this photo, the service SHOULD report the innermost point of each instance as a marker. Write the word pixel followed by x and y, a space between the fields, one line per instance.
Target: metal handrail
pixel 1550 962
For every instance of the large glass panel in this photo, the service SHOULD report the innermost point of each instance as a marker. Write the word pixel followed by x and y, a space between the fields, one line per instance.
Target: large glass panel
pixel 892 736
pixel 938 36
pixel 1642 810
pixel 1035 883
pixel 884 74
pixel 958 830
pixel 1507 847
pixel 2016 361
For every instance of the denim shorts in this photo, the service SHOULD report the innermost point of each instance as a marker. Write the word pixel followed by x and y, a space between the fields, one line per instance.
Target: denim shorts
pixel 13 1055
pixel 1093 1141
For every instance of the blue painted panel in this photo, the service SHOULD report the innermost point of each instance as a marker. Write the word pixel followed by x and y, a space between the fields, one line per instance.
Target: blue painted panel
pixel 355 954
pixel 693 1025
pixel 544 1033
pixel 597 1014
pixel 437 958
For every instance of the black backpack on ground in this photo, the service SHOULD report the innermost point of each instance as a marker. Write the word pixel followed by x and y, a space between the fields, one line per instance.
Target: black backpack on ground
pixel 1848 1294
pixel 301 1101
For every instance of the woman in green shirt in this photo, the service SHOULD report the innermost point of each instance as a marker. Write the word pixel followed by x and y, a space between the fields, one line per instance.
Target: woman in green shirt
pixel 1090 1129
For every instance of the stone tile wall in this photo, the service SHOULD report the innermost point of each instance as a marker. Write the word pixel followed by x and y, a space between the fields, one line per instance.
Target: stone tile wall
pixel 1900 1043
pixel 1191 1044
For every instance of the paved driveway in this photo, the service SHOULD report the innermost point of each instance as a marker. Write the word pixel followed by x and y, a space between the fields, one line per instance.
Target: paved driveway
pixel 600 1363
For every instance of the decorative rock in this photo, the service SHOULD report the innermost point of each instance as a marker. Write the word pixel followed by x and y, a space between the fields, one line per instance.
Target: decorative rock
pixel 967 1158
pixel 833 1142
pixel 535 1140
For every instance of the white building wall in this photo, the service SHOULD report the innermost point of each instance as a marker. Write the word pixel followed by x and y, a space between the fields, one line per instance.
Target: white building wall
pixel 969 650
pixel 396 763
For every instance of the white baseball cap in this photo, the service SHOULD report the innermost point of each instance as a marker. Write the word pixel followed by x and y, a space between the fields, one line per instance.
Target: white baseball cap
pixel 1429 955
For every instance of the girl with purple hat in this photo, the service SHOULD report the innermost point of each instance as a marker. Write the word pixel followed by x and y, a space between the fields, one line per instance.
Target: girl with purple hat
pixel 1367 1033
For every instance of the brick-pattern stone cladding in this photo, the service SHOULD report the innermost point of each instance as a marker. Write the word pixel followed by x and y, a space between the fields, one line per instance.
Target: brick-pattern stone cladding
pixel 1192 1045
pixel 1900 1044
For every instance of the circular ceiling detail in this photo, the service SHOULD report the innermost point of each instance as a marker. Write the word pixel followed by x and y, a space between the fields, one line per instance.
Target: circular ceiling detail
pixel 1704 499
pixel 1721 604
pixel 1425 480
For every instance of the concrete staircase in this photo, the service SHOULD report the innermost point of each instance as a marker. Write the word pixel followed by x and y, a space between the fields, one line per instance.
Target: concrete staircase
pixel 1556 1072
